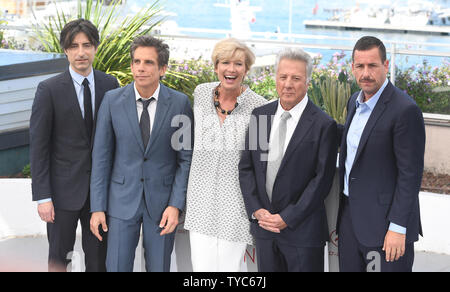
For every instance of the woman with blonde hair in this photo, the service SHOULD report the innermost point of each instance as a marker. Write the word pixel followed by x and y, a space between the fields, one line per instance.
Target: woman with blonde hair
pixel 215 212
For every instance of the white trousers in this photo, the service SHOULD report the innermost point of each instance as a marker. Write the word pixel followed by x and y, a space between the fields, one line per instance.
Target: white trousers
pixel 211 254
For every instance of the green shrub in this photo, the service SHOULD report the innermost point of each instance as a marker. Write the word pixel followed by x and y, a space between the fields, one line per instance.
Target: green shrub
pixel 26 171
pixel 263 83
pixel 185 75
pixel 3 43
pixel 429 86
pixel 332 96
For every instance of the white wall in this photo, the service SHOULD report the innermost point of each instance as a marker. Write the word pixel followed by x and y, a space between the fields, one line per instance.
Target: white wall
pixel 19 217
pixel 18 214
pixel 16 99
pixel 435 215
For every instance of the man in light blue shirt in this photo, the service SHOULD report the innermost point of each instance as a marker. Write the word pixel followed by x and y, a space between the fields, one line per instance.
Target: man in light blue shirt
pixel 381 166
pixel 61 131
pixel 362 115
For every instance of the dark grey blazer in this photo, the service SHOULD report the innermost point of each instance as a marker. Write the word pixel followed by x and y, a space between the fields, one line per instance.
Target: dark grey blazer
pixel 60 149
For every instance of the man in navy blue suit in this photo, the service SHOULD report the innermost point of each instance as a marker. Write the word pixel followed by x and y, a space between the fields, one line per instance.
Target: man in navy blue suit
pixel 381 165
pixel 62 127
pixel 286 171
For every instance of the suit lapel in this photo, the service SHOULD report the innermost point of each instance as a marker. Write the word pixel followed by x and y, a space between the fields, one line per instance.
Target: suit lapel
pixel 99 93
pixel 161 113
pixel 269 114
pixel 376 114
pixel 72 100
pixel 302 128
pixel 350 115
pixel 129 106
pixel 264 121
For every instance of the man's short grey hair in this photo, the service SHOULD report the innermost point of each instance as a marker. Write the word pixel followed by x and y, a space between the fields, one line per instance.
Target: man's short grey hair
pixel 296 54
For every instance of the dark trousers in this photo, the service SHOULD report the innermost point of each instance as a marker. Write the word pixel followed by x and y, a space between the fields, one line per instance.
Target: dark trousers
pixel 354 257
pixel 61 237
pixel 274 256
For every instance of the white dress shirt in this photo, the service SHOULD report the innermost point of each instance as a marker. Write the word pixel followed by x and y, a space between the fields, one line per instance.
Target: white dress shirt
pixel 291 124
pixel 296 113
pixel 151 107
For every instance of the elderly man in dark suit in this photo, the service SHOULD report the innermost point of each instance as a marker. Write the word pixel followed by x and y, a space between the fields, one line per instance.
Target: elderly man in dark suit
pixel 286 172
pixel 381 165
pixel 61 134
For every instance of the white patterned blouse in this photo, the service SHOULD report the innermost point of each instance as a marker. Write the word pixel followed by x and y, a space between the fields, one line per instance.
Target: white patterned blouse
pixel 214 204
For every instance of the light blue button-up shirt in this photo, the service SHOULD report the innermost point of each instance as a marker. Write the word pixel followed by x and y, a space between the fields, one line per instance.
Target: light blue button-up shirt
pixel 79 89
pixel 360 119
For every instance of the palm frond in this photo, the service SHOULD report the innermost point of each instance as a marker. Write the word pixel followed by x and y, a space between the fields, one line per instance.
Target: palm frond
pixel 116 35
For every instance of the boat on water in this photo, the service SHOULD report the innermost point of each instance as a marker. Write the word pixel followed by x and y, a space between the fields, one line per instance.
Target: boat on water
pixel 440 17
pixel 242 14
pixel 388 16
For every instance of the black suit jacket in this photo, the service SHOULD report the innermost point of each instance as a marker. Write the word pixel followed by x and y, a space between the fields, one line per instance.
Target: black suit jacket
pixel 60 149
pixel 385 179
pixel 303 181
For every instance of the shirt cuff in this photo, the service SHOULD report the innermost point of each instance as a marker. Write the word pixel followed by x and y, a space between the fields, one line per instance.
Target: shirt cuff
pixel 397 228
pixel 44 201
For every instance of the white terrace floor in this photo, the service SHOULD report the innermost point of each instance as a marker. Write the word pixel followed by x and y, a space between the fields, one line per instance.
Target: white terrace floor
pixel 30 254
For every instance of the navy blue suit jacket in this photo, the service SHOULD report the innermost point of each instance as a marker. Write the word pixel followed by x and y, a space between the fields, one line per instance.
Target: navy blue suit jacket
pixel 385 179
pixel 303 181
